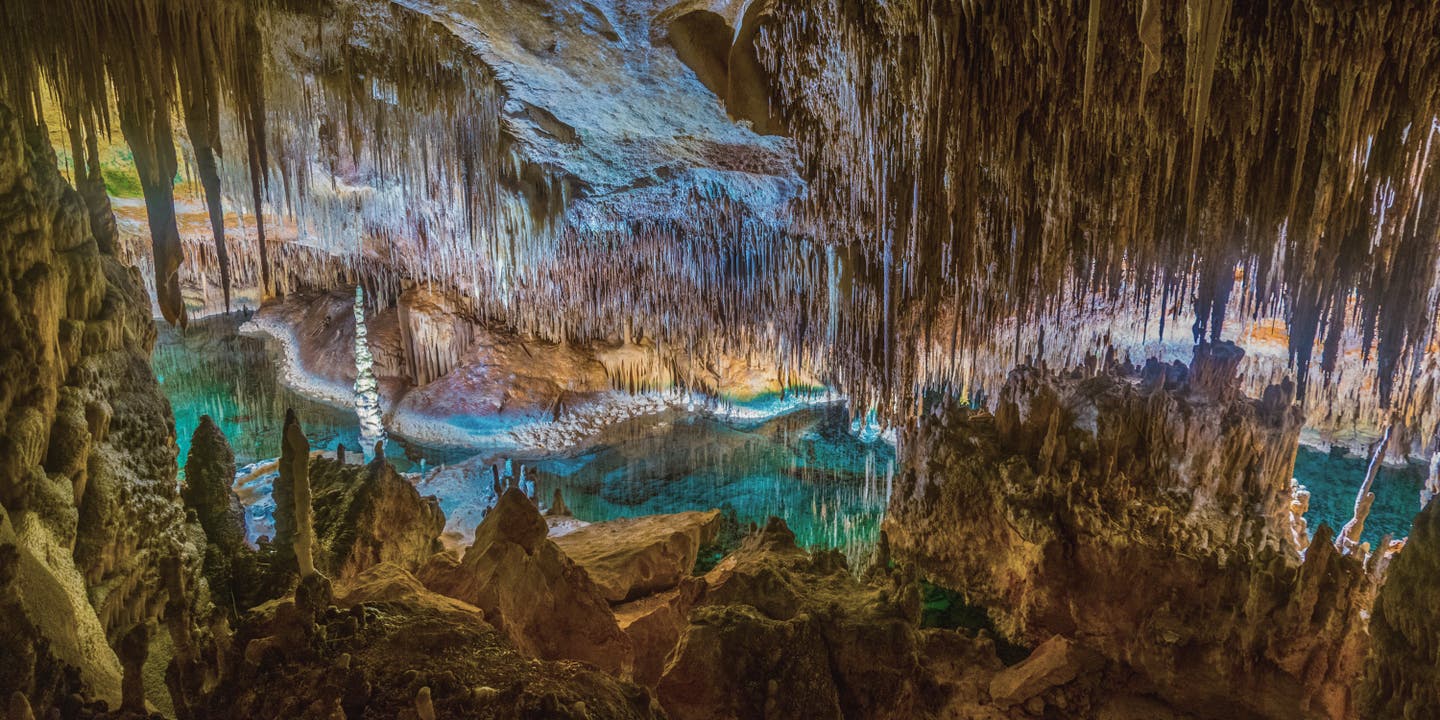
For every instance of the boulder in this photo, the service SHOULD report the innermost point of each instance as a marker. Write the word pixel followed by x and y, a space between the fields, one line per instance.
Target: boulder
pixel 541 599
pixel 632 557
pixel 654 624
pixel 1057 661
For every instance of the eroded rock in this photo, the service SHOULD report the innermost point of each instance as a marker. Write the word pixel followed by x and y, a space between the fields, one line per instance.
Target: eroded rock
pixel 631 557
pixel 542 600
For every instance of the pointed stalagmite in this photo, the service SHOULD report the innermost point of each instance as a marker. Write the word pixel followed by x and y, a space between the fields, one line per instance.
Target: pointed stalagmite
pixel 295 476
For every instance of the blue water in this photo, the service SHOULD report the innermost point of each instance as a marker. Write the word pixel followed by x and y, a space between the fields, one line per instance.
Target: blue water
pixel 1333 480
pixel 210 369
pixel 803 464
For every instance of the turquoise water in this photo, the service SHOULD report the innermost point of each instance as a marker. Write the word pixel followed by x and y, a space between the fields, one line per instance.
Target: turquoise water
pixel 1334 479
pixel 210 369
pixel 830 486
pixel 802 464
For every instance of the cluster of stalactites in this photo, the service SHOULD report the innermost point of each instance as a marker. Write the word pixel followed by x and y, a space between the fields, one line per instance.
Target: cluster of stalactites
pixel 1008 160
pixel 156 59
pixel 362 123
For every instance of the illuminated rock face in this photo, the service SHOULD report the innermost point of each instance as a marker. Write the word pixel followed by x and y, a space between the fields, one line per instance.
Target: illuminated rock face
pixel 1145 518
pixel 91 511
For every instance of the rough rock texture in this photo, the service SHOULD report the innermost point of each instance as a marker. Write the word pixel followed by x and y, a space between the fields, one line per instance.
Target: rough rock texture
pixel 366 515
pixel 631 557
pixel 1057 661
pixel 779 632
pixel 542 600
pixel 209 476
pixel 1402 678
pixel 87 456
pixel 1053 510
pixel 389 643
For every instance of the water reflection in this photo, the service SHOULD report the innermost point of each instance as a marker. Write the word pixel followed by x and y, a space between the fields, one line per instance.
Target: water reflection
pixel 804 465
pixel 1333 478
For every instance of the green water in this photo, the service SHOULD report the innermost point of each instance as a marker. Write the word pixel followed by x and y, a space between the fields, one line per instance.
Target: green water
pixel 210 369
pixel 806 467
pixel 802 463
pixel 1334 478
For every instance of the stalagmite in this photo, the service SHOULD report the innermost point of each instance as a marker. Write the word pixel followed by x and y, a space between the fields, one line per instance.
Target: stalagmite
pixel 367 392
pixel 295 523
pixel 1432 481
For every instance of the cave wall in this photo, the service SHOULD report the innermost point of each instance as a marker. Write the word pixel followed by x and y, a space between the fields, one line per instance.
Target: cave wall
pixel 87 451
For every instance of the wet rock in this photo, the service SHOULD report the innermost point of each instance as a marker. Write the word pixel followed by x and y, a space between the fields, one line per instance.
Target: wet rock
pixel 631 557
pixel 542 600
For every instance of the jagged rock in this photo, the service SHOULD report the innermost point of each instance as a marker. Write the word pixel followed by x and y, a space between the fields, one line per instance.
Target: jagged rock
pixel 366 515
pixel 298 529
pixel 1049 511
pixel 542 600
pixel 1402 678
pixel 387 638
pixel 388 582
pixel 782 633
pixel 654 624
pixel 209 473
pixel 1057 661
pixel 631 557
pixel 87 458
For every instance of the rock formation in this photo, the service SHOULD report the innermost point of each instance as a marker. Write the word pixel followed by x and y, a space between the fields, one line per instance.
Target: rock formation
pixel 1050 510
pixel 367 515
pixel 542 600
pixel 87 457
pixel 209 476
pixel 631 557
pixel 388 642
pixel 1402 679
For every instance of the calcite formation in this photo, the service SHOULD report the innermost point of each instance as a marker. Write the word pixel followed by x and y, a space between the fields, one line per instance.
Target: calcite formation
pixel 1048 511
pixel 542 600
pixel 631 557
pixel 87 456
pixel 1401 678
pixel 368 514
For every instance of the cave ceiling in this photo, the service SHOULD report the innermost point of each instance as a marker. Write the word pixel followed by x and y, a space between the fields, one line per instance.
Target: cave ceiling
pixel 878 192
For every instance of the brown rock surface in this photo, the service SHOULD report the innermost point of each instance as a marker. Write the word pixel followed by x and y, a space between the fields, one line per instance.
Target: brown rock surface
pixel 87 456
pixel 542 600
pixel 389 640
pixel 632 557
pixel 1402 678
pixel 783 633
pixel 1148 522
pixel 369 514
pixel 1057 661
